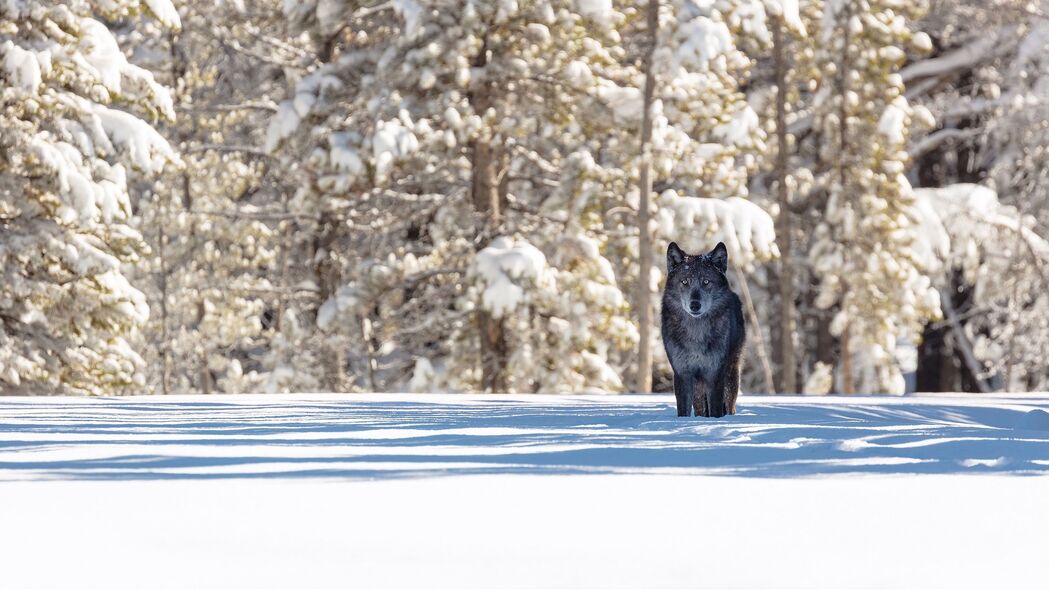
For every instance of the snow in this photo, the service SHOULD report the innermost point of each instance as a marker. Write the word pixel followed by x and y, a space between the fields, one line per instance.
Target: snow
pixel 820 381
pixel 86 193
pixel 422 375
pixel 282 125
pixel 698 224
pixel 627 103
pixel 344 156
pixel 144 146
pixel 894 120
pixel 166 13
pixel 740 129
pixel 697 42
pixel 1036 419
pixel 959 220
pixel 345 299
pixel 578 74
pixel 599 11
pixel 932 243
pixel 788 9
pixel 391 142
pixel 1034 44
pixel 980 48
pixel 21 67
pixel 472 491
pixel 412 13
pixel 117 290
pixel 102 55
pixel 508 270
pixel 291 112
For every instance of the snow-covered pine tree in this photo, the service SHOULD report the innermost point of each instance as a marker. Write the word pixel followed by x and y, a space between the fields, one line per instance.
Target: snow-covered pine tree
pixel 862 250
pixel 67 150
pixel 215 225
pixel 429 137
pixel 789 73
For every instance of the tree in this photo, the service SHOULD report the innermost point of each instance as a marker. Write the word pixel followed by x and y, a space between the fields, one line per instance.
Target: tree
pixel 862 249
pixel 787 327
pixel 644 362
pixel 215 225
pixel 433 113
pixel 67 152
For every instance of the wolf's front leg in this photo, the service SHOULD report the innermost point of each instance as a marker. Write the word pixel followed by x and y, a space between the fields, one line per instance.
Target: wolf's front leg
pixel 732 384
pixel 699 401
pixel 716 396
pixel 683 402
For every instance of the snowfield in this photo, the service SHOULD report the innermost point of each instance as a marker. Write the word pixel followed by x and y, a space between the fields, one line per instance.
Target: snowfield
pixel 468 491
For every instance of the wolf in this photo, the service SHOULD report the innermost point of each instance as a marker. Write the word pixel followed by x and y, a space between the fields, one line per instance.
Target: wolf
pixel 703 332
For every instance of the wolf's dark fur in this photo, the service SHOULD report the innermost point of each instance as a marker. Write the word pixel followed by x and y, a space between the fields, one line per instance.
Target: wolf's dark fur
pixel 703 332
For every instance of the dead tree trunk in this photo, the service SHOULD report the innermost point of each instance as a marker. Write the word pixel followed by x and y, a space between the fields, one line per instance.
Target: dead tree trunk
pixel 755 331
pixel 644 287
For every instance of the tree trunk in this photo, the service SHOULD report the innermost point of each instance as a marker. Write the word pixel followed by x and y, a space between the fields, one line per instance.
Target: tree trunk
pixel 755 331
pixel 493 353
pixel 369 351
pixel 644 287
pixel 848 384
pixel 484 193
pixel 824 339
pixel 939 368
pixel 165 343
pixel 205 370
pixel 961 342
pixel 327 270
pixel 785 354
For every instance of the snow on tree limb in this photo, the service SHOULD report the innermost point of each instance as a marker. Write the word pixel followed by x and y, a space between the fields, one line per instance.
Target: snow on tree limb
pixel 979 49
pixel 509 269
pixel 698 224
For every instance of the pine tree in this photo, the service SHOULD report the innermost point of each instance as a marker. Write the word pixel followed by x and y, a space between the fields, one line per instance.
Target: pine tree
pixel 862 249
pixel 215 225
pixel 443 130
pixel 69 144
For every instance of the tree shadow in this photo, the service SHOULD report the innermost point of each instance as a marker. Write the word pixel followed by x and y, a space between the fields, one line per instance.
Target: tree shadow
pixel 374 438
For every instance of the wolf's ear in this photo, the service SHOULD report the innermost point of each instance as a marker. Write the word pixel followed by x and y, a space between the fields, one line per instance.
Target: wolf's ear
pixel 675 256
pixel 719 257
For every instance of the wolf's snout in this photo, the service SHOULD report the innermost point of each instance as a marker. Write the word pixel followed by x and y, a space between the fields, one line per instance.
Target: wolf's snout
pixel 694 306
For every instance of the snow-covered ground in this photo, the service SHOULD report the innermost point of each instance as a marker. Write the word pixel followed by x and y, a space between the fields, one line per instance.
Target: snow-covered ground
pixel 327 491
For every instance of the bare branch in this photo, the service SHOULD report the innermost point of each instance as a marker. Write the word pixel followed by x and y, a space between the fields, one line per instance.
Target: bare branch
pixel 936 139
pixel 964 345
pixel 217 147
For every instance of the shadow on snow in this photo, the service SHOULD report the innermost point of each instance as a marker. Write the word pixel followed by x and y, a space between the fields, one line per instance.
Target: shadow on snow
pixel 122 440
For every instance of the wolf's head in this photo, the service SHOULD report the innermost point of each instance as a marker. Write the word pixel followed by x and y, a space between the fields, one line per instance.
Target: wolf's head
pixel 696 283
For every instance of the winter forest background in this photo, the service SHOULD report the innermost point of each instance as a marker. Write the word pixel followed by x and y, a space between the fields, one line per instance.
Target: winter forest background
pixel 443 195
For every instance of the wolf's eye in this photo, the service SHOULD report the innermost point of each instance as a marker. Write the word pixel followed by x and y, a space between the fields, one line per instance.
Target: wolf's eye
pixel 706 282
pixel 684 281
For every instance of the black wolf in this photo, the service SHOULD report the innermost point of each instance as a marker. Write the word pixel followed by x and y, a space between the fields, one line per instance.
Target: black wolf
pixel 703 332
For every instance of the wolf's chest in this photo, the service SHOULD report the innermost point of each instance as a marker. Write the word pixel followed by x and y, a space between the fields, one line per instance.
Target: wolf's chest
pixel 701 348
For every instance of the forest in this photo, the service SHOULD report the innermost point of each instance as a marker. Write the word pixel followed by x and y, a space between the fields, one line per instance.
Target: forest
pixel 477 196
